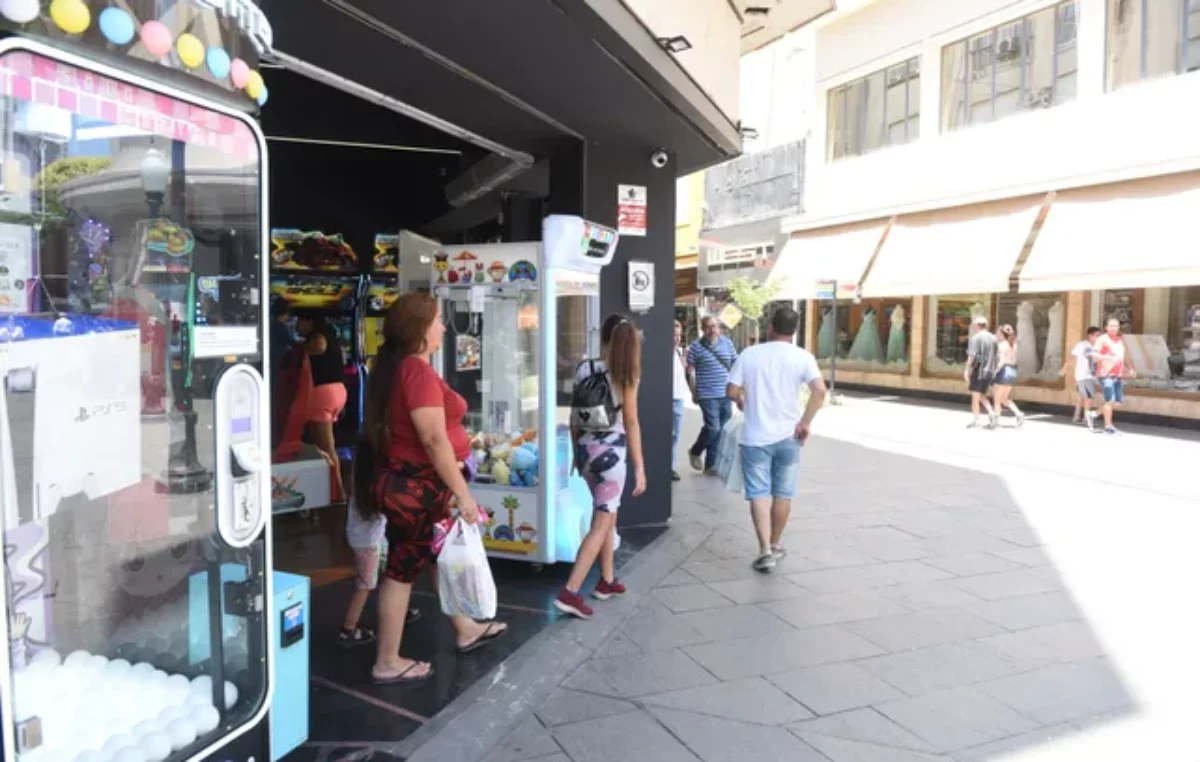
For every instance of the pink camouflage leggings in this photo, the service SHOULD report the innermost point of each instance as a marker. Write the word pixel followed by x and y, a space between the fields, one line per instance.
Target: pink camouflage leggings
pixel 602 457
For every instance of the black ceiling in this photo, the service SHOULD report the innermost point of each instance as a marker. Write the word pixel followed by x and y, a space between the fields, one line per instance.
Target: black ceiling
pixel 529 72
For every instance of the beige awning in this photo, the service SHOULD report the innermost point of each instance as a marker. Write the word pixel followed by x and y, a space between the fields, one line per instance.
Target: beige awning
pixel 964 250
pixel 839 253
pixel 1135 234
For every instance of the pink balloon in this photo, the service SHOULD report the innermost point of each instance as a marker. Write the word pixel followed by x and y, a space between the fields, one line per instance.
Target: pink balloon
pixel 239 72
pixel 156 37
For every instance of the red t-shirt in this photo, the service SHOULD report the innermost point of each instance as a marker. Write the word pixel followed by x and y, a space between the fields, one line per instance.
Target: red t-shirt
pixel 418 385
pixel 1110 357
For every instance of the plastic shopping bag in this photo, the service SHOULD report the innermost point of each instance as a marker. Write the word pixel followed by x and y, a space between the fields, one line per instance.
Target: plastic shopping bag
pixel 727 448
pixel 465 584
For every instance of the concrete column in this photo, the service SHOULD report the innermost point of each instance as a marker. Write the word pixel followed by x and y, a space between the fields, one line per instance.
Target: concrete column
pixel 916 335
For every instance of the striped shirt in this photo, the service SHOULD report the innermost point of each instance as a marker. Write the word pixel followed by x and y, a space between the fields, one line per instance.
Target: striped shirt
pixel 712 375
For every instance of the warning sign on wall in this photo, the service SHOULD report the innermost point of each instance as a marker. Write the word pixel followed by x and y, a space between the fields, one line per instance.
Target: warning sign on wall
pixel 631 210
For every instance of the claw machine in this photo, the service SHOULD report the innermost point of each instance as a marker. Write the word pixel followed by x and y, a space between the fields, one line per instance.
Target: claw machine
pixel 139 608
pixel 520 317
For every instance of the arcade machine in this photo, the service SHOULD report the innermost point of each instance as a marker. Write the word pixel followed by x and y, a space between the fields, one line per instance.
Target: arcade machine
pixel 382 290
pixel 141 617
pixel 520 317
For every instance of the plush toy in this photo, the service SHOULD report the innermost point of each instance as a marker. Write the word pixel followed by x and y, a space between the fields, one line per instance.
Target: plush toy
pixel 500 470
pixel 524 462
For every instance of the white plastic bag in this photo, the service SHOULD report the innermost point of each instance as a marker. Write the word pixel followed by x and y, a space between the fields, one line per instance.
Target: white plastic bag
pixel 729 454
pixel 465 584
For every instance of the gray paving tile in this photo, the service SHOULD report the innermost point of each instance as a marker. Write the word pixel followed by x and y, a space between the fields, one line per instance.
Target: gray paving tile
pixel 565 706
pixel 691 598
pixel 957 719
pixel 1029 611
pixel 701 555
pixel 904 632
pixel 866 577
pixel 923 596
pixel 973 563
pixel 752 700
pixel 834 558
pixel 967 542
pixel 528 741
pixel 1052 644
pixel 617 644
pixel 842 750
pixel 997 750
pixel 834 608
pixel 720 570
pixel 733 622
pixel 1011 584
pixel 633 737
pixel 759 589
pixel 1033 557
pixel 559 757
pixel 655 672
pixel 770 654
pixel 656 631
pixel 588 680
pixel 864 726
pixel 940 667
pixel 1026 537
pixel 679 577
pixel 732 545
pixel 718 740
pixel 1063 693
pixel 832 688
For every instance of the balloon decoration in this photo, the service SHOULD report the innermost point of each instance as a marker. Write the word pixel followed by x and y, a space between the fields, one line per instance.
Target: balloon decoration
pixel 190 50
pixel 71 16
pixel 19 11
pixel 262 97
pixel 218 63
pixel 117 26
pixel 255 85
pixel 156 37
pixel 239 72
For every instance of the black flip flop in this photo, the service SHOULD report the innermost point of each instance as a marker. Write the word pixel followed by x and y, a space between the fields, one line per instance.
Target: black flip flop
pixel 487 637
pixel 403 676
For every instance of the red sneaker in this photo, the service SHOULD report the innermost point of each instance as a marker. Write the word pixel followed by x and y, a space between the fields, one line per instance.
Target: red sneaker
pixel 606 590
pixel 572 603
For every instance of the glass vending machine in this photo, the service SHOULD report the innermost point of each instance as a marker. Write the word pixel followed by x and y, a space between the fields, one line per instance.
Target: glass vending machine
pixel 134 434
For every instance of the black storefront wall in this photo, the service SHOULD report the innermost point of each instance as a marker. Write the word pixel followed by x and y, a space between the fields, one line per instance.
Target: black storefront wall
pixel 583 181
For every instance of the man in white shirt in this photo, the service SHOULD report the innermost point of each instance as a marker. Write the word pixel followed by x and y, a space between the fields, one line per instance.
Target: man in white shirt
pixel 682 390
pixel 1083 356
pixel 765 383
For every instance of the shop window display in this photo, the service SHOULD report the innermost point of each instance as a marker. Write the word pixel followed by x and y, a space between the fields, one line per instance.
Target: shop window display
pixel 872 335
pixel 1040 324
pixel 1162 334
pixel 949 328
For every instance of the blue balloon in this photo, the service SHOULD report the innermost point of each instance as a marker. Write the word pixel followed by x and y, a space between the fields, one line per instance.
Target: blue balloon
pixel 116 25
pixel 262 97
pixel 218 62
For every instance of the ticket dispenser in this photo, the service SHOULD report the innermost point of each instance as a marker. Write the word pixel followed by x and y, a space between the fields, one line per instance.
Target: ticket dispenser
pixel 240 464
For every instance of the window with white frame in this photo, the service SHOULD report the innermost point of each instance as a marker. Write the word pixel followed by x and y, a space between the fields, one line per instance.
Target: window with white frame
pixel 738 258
pixel 1151 38
pixel 1028 63
pixel 880 109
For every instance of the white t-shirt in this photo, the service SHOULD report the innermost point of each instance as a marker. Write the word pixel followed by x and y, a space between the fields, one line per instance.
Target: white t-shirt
pixel 680 388
pixel 772 373
pixel 363 534
pixel 1083 361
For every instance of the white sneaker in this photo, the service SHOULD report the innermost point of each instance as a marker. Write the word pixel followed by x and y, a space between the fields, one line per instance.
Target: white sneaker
pixel 764 563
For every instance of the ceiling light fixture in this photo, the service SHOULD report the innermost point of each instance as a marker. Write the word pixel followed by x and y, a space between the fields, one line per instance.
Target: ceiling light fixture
pixel 756 10
pixel 676 44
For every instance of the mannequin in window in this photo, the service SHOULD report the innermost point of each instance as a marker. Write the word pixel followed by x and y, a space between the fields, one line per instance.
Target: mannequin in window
pixel 866 346
pixel 1053 356
pixel 897 345
pixel 1027 359
pixel 827 336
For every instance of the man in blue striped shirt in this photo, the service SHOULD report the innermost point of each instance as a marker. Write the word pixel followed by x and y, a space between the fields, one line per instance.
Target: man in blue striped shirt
pixel 710 358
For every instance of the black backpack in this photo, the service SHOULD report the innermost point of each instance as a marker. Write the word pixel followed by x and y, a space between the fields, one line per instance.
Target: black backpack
pixel 593 405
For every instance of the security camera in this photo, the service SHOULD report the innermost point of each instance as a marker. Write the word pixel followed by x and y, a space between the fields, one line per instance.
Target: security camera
pixel 659 159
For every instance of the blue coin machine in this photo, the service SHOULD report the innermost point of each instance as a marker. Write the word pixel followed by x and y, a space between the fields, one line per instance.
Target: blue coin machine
pixel 520 317
pixel 143 617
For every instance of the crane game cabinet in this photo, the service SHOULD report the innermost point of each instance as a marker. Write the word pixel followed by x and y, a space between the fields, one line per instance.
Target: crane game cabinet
pixel 520 317
pixel 140 609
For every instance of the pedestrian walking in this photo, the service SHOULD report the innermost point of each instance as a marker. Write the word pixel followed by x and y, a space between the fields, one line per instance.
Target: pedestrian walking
pixel 1006 374
pixel 981 369
pixel 1112 368
pixel 710 358
pixel 765 383
pixel 1083 355
pixel 607 439
pixel 682 388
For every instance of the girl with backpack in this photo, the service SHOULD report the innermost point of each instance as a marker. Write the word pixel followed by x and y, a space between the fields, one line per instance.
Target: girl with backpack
pixel 607 439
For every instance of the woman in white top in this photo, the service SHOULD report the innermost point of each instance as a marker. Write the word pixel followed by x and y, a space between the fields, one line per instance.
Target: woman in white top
pixel 1006 373
pixel 682 390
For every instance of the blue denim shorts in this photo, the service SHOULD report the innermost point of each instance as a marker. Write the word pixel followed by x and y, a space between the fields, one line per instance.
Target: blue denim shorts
pixel 771 470
pixel 1114 390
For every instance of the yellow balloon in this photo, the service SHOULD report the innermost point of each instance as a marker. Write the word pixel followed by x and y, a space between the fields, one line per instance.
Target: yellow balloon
pixel 190 50
pixel 71 16
pixel 255 85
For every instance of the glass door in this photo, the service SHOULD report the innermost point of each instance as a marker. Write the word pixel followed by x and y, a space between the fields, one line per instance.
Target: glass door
pixel 130 282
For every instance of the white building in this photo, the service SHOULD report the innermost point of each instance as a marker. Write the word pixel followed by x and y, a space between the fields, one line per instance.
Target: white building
pixel 1034 161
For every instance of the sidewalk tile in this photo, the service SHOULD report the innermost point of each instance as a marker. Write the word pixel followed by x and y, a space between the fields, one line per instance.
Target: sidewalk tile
pixel 922 596
pixel 997 750
pixel 1032 557
pixel 771 654
pixel 717 740
pixel 835 608
pixel 1063 693
pixel 1011 584
pixel 733 622
pixel 565 706
pixel 866 577
pixel 617 644
pixel 863 726
pixel 834 558
pixel 925 628
pixel 721 570
pixel 760 588
pixel 679 577
pixel 753 700
pixel 957 719
pixel 653 631
pixel 1052 644
pixel 528 741
pixel 654 672
pixel 633 737
pixel 587 680
pixel 690 598
pixel 833 688
pixel 937 668
pixel 1029 611
pixel 968 542
pixel 842 750
pixel 973 563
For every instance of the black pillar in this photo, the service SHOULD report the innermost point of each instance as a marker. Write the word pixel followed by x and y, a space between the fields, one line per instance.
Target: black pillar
pixel 584 181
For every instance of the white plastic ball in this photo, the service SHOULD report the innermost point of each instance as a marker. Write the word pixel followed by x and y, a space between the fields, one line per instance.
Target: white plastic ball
pixel 231 694
pixel 206 719
pixel 47 656
pixel 156 747
pixel 117 668
pixel 143 669
pixel 118 742
pixel 175 695
pixel 147 727
pixel 56 755
pixel 198 699
pixel 91 755
pixel 97 663
pixel 170 714
pixel 77 660
pixel 133 754
pixel 202 685
pixel 179 681
pixel 160 677
pixel 182 733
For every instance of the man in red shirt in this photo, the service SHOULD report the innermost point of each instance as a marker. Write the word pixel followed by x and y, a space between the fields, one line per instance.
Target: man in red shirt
pixel 1112 366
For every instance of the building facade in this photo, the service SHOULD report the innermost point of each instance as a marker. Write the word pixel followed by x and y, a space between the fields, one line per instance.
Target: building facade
pixel 1034 162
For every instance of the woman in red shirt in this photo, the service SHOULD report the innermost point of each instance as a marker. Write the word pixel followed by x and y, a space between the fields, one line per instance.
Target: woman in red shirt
pixel 409 466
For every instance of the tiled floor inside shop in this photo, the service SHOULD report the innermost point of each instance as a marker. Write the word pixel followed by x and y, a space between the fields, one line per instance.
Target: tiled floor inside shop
pixel 347 712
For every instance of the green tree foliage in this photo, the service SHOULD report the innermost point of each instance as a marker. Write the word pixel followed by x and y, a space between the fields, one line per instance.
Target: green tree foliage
pixel 752 298
pixel 58 173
